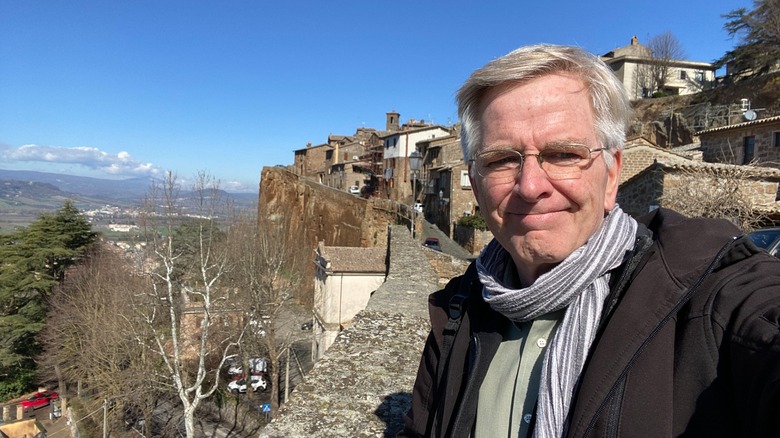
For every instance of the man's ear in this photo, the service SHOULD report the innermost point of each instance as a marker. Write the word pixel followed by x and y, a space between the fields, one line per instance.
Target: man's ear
pixel 613 180
pixel 473 185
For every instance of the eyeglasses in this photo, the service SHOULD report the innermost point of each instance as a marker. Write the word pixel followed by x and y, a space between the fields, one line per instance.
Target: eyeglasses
pixel 558 162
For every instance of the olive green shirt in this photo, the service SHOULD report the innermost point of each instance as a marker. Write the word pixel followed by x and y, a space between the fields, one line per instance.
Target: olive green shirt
pixel 509 392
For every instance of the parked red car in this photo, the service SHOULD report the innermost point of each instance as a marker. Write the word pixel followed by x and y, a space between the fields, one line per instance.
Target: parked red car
pixel 432 243
pixel 39 400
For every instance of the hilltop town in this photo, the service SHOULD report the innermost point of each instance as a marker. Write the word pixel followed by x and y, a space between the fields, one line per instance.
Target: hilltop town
pixel 699 137
pixel 352 215
pixel 700 123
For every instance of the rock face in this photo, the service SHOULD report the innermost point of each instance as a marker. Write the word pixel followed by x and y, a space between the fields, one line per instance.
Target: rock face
pixel 362 386
pixel 305 213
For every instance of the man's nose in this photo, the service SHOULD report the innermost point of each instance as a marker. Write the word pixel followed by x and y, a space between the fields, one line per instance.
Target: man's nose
pixel 531 180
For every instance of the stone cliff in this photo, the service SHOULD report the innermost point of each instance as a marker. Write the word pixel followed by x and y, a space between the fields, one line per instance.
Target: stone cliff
pixel 305 212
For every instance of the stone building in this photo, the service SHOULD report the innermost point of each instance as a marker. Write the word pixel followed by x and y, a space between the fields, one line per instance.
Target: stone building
pixel 311 161
pixel 639 154
pixel 446 189
pixel 345 279
pixel 398 146
pixel 646 190
pixel 756 141
pixel 341 159
pixel 632 64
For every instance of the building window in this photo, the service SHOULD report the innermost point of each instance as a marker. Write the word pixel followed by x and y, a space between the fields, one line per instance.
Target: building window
pixel 699 76
pixel 749 149
pixel 465 182
pixel 683 75
pixel 776 139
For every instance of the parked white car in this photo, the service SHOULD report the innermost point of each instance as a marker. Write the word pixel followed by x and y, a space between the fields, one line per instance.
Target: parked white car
pixel 418 207
pixel 257 382
pixel 256 365
pixel 355 190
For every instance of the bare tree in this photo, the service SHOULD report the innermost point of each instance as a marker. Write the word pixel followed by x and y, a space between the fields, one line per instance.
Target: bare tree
pixel 723 193
pixel 88 338
pixel 661 51
pixel 185 304
pixel 262 263
pixel 665 49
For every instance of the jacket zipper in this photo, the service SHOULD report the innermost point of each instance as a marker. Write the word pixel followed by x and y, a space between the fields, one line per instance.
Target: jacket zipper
pixel 686 297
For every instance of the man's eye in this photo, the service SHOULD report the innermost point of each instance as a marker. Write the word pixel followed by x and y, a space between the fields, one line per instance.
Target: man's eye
pixel 502 161
pixel 562 156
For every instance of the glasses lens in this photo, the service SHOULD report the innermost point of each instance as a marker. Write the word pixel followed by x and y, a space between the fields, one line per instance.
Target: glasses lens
pixel 500 164
pixel 564 162
pixel 559 162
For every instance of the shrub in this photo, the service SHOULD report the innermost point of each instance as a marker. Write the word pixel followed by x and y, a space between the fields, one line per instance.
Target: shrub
pixel 475 221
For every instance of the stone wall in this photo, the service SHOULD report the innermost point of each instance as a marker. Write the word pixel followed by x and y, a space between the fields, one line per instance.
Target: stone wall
pixel 726 145
pixel 643 191
pixel 445 266
pixel 362 386
pixel 648 188
pixel 471 239
pixel 637 158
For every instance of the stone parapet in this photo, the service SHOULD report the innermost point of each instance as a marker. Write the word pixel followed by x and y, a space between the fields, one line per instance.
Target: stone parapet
pixel 362 385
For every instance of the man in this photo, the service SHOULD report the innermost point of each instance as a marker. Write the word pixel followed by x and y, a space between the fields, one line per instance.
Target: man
pixel 578 320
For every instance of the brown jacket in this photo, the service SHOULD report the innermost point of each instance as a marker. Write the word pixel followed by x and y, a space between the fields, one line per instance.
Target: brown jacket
pixel 690 348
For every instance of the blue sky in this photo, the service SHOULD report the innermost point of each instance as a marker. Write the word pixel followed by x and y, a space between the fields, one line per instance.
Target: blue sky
pixel 116 89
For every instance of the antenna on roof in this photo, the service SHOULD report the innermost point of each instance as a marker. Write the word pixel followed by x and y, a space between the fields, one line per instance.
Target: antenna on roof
pixel 748 113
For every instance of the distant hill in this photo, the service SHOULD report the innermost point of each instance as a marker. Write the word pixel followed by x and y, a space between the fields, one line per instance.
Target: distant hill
pixel 26 194
pixel 122 190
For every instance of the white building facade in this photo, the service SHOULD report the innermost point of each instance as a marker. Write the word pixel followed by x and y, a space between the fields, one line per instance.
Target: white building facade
pixel 632 64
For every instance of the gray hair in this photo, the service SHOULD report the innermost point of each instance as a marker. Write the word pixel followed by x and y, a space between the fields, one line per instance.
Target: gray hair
pixel 611 107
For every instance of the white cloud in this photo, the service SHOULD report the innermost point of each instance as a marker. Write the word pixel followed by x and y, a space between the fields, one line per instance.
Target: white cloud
pixel 119 164
pixel 238 187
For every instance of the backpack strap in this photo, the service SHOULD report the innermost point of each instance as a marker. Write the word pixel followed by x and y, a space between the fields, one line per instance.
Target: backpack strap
pixel 455 310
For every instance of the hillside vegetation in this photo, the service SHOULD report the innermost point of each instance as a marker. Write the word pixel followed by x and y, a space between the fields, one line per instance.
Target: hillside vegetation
pixel 763 92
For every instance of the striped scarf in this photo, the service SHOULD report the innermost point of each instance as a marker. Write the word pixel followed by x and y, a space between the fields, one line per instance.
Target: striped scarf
pixel 580 283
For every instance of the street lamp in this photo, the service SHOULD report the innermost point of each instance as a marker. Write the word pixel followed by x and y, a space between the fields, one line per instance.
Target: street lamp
pixel 415 161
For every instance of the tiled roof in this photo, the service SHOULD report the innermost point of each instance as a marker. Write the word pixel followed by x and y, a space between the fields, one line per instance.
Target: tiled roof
pixel 751 172
pixel 741 125
pixel 323 145
pixel 410 130
pixel 670 154
pixel 757 172
pixel 353 259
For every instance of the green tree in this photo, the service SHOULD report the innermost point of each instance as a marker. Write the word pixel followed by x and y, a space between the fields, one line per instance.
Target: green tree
pixel 758 30
pixel 32 261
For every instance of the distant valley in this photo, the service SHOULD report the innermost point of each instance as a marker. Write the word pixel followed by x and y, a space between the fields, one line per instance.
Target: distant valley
pixel 26 194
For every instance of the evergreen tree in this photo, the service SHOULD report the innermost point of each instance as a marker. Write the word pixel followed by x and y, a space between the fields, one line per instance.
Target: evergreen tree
pixel 759 31
pixel 32 261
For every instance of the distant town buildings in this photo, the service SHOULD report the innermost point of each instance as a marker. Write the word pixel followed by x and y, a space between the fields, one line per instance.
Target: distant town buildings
pixel 375 162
